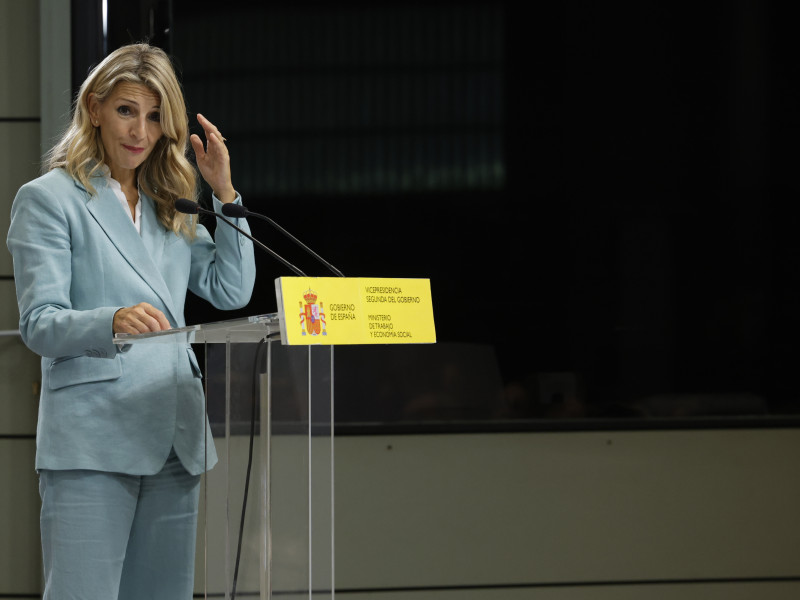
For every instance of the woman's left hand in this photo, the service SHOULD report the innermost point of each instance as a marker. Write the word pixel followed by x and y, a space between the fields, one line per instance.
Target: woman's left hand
pixel 214 161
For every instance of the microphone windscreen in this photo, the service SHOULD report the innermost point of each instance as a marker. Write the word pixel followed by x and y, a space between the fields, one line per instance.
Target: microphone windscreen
pixel 235 211
pixel 186 207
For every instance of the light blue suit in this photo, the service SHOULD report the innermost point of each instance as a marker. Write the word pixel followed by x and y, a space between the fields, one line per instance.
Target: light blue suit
pixel 77 260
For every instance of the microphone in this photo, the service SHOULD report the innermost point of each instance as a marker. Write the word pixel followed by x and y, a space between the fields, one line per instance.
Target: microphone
pixel 238 211
pixel 187 207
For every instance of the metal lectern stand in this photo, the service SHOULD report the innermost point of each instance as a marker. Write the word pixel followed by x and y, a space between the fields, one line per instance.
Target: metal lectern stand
pixel 287 541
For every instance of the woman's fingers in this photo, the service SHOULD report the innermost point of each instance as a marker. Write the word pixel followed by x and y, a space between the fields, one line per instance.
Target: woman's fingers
pixel 209 127
pixel 213 160
pixel 142 318
pixel 197 145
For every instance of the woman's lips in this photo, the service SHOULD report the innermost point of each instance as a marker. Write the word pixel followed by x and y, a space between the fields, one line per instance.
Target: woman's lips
pixel 134 149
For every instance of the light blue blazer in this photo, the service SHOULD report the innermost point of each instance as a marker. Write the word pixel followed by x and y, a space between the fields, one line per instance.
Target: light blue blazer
pixel 77 260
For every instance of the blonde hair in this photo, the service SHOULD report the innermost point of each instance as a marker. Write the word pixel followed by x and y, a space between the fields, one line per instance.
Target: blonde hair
pixel 166 174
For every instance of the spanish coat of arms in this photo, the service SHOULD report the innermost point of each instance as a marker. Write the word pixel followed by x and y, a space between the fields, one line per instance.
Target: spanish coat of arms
pixel 312 315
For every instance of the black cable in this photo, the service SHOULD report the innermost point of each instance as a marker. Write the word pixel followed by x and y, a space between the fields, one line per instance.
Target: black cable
pixel 255 394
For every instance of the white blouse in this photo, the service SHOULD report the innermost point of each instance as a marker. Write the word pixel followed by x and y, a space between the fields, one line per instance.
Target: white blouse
pixel 137 216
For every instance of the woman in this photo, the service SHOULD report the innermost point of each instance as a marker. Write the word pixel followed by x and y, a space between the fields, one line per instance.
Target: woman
pixel 99 249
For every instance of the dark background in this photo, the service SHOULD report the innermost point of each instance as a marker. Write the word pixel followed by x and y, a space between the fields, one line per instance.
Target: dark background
pixel 602 194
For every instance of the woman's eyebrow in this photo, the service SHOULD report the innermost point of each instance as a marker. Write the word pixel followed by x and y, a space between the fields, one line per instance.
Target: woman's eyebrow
pixel 130 101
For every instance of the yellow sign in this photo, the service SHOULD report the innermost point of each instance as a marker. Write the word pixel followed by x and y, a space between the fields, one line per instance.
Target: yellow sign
pixel 355 310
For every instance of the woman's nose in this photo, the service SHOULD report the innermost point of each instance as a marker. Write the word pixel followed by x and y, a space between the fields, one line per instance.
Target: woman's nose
pixel 138 128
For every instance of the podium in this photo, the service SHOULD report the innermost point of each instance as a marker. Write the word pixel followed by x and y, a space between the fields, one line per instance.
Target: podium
pixel 271 411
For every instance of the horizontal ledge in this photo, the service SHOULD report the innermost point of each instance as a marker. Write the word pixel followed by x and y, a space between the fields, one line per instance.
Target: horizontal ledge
pixel 20 120
pixel 571 425
pixel 574 584
pixel 513 586
pixel 351 429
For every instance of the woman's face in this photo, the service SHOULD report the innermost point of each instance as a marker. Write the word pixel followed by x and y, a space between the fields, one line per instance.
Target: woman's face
pixel 130 125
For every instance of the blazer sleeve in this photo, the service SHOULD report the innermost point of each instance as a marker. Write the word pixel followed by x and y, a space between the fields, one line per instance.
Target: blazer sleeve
pixel 223 268
pixel 40 242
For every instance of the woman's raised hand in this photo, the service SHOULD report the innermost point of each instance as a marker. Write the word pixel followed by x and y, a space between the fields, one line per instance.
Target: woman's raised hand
pixel 213 160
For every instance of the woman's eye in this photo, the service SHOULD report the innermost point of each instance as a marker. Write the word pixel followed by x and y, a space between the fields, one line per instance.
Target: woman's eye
pixel 124 110
pixel 155 117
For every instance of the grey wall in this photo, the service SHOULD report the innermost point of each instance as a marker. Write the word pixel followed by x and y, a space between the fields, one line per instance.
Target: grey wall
pixel 560 516
pixel 568 508
pixel 20 572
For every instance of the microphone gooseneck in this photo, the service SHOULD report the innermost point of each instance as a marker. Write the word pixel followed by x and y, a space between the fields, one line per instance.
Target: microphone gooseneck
pixel 185 206
pixel 237 211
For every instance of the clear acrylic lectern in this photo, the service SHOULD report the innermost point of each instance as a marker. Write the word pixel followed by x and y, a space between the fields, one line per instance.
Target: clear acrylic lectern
pixel 271 411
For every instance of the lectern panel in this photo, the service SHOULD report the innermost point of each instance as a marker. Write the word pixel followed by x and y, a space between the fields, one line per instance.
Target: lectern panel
pixel 267 524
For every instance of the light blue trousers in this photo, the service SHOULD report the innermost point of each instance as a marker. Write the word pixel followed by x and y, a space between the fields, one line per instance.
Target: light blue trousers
pixel 109 536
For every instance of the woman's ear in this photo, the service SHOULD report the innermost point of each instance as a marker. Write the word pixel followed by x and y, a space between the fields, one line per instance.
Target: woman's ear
pixel 93 107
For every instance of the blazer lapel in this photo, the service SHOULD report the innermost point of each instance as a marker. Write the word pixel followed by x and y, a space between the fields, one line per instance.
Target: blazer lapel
pixel 110 215
pixel 152 232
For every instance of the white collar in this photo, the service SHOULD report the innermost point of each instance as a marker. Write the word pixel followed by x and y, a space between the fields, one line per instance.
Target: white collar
pixel 115 186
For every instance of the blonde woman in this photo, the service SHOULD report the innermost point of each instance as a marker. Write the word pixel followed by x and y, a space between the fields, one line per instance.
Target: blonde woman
pixel 99 249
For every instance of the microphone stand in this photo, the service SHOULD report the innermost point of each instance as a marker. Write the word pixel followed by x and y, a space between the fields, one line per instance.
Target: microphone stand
pixel 188 207
pixel 239 211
